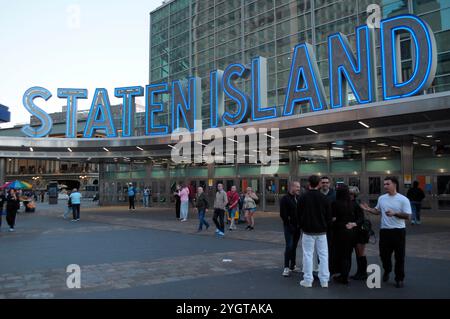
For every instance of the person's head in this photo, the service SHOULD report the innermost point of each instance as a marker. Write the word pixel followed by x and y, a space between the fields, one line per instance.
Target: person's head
pixel 74 190
pixel 390 184
pixel 199 190
pixel 415 184
pixel 354 192
pixel 12 192
pixel 294 188
pixel 220 187
pixel 249 190
pixel 233 188
pixel 343 193
pixel 314 181
pixel 325 183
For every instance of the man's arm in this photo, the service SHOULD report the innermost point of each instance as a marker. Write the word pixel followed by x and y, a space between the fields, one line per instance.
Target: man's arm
pixel 399 215
pixel 366 208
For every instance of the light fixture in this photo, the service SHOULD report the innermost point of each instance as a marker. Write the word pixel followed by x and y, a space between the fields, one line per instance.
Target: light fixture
pixel 272 137
pixel 106 150
pixel 415 143
pixel 364 124
pixel 338 148
pixel 139 148
pixel 69 149
pixel 312 131
pixel 426 145
pixel 31 149
pixel 172 147
pixel 235 141
pixel 429 136
pixel 200 143
pixel 373 141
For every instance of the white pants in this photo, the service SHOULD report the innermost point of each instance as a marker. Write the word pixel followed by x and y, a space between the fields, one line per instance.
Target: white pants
pixel 309 243
pixel 184 208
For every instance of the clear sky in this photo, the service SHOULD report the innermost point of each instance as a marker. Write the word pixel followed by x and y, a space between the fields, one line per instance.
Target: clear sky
pixel 71 44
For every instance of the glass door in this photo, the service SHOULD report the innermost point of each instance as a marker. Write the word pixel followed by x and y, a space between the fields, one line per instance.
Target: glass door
pixel 443 192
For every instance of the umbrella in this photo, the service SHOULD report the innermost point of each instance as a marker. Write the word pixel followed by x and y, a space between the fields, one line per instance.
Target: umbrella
pixel 19 185
pixel 5 185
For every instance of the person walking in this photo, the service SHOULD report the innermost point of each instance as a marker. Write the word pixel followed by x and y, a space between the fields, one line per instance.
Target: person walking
pixel 177 202
pixel 12 206
pixel 146 197
pixel 233 202
pixel 250 208
pixel 315 219
pixel 2 205
pixel 131 196
pixel 290 215
pixel 184 205
pixel 394 209
pixel 201 205
pixel 220 203
pixel 415 195
pixel 362 238
pixel 348 217
pixel 75 198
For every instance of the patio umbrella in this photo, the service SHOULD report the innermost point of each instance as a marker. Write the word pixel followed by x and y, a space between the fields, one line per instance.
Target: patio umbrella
pixel 19 185
pixel 5 185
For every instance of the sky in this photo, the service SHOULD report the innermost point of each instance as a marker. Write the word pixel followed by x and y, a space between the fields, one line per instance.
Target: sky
pixel 71 44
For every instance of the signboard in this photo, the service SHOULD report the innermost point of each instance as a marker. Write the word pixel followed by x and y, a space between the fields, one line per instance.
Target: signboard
pixel 346 68
pixel 53 193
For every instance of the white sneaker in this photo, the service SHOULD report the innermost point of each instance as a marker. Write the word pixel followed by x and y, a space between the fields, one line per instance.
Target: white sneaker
pixel 305 284
pixel 184 220
pixel 11 230
pixel 324 284
pixel 286 272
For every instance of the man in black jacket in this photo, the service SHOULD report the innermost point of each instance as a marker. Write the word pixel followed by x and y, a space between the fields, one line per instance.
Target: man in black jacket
pixel 289 213
pixel 315 219
pixel 415 196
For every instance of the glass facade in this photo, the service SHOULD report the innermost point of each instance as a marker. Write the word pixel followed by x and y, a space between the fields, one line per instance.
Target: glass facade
pixel 197 36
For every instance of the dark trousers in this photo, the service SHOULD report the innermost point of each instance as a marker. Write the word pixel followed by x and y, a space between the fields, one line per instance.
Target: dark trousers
pixel 177 208
pixel 291 236
pixel 201 218
pixel 11 218
pixel 131 201
pixel 76 211
pixel 1 217
pixel 393 241
pixel 343 243
pixel 218 219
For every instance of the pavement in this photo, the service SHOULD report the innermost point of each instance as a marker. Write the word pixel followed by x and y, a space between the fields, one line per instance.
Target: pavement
pixel 147 253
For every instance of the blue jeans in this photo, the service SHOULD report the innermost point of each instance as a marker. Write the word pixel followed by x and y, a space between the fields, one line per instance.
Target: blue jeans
pixel 292 237
pixel 201 218
pixel 146 200
pixel 415 207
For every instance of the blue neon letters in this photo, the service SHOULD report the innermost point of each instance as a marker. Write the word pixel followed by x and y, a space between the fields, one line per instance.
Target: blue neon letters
pixel 347 65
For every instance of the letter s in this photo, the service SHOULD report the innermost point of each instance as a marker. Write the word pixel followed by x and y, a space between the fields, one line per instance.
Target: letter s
pixel 46 120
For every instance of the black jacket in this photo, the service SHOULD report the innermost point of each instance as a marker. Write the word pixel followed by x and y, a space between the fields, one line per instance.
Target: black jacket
pixel 2 201
pixel 12 205
pixel 290 210
pixel 315 212
pixel 346 213
pixel 201 202
pixel 415 194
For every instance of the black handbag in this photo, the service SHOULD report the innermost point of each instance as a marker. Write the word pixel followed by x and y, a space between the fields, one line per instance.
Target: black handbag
pixel 367 231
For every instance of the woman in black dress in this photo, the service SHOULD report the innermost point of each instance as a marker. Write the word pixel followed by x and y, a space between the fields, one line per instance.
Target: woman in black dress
pixel 349 216
pixel 177 201
pixel 12 205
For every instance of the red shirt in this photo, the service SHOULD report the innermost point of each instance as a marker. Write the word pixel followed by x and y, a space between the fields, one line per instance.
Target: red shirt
pixel 233 198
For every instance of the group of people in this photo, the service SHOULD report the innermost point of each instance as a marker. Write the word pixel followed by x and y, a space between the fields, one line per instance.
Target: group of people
pixel 331 225
pixel 229 203
pixel 146 199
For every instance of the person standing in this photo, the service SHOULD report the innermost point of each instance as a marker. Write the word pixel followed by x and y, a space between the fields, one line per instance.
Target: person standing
pixel 315 220
pixel 201 205
pixel 177 201
pixel 415 195
pixel 362 238
pixel 233 200
pixel 250 208
pixel 12 206
pixel 184 205
pixel 395 209
pixel 2 205
pixel 131 196
pixel 75 198
pixel 290 215
pixel 68 207
pixel 220 203
pixel 146 196
pixel 330 193
pixel 348 217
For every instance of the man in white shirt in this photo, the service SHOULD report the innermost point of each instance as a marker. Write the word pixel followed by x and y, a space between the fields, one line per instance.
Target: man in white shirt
pixel 395 209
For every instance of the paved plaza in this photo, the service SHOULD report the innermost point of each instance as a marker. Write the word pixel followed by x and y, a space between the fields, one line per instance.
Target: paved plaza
pixel 149 254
